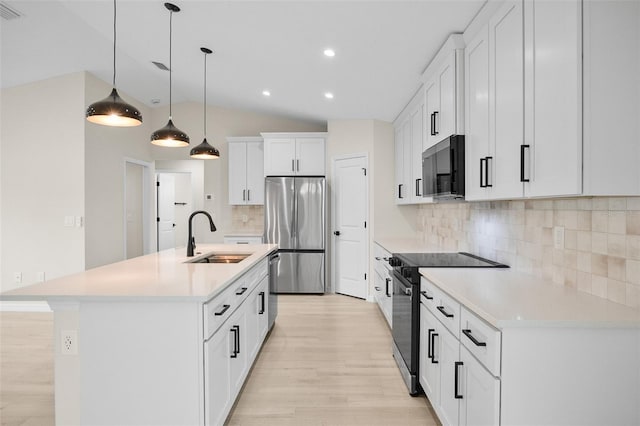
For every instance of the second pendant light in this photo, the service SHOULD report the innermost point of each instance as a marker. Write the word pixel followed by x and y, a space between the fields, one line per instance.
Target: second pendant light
pixel 170 135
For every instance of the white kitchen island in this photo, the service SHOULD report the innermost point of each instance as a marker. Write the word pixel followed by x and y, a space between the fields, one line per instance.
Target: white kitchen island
pixel 156 340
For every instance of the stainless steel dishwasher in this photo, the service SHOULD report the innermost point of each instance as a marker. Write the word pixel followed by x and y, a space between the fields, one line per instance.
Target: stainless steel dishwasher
pixel 274 260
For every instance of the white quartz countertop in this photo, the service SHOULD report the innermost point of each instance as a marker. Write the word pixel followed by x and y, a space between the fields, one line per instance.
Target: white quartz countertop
pixel 162 276
pixel 402 245
pixel 507 298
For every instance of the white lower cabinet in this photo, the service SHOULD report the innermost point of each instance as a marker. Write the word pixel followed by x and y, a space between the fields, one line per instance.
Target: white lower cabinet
pixel 460 388
pixel 231 350
pixel 383 286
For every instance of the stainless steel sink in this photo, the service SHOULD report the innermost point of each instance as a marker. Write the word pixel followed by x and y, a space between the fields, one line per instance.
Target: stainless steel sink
pixel 223 258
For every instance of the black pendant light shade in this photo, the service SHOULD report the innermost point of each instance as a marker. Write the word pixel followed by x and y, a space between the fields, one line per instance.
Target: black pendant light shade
pixel 204 151
pixel 170 136
pixel 113 110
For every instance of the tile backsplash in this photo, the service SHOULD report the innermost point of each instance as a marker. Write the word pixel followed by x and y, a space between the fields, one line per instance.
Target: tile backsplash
pixel 254 216
pixel 601 252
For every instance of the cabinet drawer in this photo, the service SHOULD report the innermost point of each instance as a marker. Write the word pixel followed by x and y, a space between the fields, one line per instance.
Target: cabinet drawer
pixel 428 295
pixel 255 274
pixel 217 310
pixel 482 340
pixel 445 308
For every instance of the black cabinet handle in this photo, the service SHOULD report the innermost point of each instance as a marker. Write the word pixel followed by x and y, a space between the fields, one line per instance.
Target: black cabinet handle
pixel 483 162
pixel 445 313
pixel 377 258
pixel 424 293
pixel 418 188
pixel 429 345
pixel 248 195
pixel 377 288
pixel 456 391
pixel 435 131
pixel 432 342
pixel 237 327
pixel 244 191
pixel 400 190
pixel 336 233
pixel 386 290
pixel 235 330
pixel 293 165
pixel 475 341
pixel 261 303
pixel 486 173
pixel 433 124
pixel 241 291
pixel 225 308
pixel 522 149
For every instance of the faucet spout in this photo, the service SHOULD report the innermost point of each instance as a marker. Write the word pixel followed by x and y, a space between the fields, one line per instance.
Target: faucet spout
pixel 191 244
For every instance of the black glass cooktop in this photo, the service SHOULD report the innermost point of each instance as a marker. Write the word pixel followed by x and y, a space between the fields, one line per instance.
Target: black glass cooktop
pixel 446 260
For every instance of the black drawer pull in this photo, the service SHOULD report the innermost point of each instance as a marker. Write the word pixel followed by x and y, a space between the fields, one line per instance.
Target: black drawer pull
pixel 445 313
pixel 225 308
pixel 261 303
pixel 377 288
pixel 424 293
pixel 418 188
pixel 433 348
pixel 456 392
pixel 467 333
pixel 235 330
pixel 241 291
pixel 429 345
pixel 387 281
pixel 522 163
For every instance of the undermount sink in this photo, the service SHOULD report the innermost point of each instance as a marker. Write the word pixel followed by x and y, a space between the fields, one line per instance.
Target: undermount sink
pixel 223 258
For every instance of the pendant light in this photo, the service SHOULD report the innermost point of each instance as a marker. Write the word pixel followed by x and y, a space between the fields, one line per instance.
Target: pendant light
pixel 170 135
pixel 204 151
pixel 113 110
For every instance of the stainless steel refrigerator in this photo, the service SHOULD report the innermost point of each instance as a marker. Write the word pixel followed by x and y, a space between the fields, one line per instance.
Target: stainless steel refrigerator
pixel 295 220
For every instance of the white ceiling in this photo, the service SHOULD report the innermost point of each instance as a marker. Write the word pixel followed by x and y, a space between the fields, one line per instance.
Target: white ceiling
pixel 381 47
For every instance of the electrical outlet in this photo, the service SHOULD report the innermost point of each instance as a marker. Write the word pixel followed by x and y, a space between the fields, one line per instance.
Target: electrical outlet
pixel 69 342
pixel 40 276
pixel 245 218
pixel 558 237
pixel 17 277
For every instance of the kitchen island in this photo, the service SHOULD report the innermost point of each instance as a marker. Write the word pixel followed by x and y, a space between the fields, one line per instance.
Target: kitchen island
pixel 156 339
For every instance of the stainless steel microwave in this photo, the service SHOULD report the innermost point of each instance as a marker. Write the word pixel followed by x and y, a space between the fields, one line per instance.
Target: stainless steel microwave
pixel 443 169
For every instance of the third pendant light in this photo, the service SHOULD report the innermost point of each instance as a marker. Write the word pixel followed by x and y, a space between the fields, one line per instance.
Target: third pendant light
pixel 170 135
pixel 204 151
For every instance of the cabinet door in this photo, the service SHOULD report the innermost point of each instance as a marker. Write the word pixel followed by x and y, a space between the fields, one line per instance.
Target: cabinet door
pixel 417 146
pixel 446 117
pixel 263 310
pixel 407 186
pixel 506 102
pixel 447 349
pixel 217 379
pixel 399 163
pixel 237 173
pixel 432 108
pixel 480 403
pixel 476 115
pixel 553 40
pixel 279 156
pixel 252 306
pixel 310 157
pixel 429 369
pixel 239 360
pixel 255 173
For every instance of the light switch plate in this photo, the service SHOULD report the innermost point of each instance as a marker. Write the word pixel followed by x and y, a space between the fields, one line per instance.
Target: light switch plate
pixel 558 237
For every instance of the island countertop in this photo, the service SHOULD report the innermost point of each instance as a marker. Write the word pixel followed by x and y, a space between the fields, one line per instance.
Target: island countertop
pixel 162 276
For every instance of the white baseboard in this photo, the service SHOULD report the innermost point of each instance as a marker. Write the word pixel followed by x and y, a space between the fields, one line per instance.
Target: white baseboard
pixel 21 306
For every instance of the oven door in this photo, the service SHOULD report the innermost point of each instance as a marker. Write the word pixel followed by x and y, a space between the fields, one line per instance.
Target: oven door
pixel 403 318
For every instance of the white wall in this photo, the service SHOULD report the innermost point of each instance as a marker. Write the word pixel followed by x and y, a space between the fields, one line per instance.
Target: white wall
pixel 104 173
pixel 222 122
pixel 42 178
pixel 134 210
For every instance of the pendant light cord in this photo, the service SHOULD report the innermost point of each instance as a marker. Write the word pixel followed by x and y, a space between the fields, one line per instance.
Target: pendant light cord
pixel 205 95
pixel 170 65
pixel 114 44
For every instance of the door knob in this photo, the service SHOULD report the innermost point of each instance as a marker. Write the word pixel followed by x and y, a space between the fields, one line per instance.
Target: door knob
pixel 336 233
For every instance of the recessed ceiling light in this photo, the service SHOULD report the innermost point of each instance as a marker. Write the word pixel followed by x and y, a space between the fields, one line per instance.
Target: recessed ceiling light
pixel 328 95
pixel 266 93
pixel 329 52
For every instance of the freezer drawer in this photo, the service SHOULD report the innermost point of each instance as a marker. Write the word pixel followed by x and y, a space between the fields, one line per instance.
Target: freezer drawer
pixel 301 273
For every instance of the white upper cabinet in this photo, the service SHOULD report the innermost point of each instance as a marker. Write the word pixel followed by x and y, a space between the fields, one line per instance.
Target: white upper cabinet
pixel 291 154
pixel 246 177
pixel 443 88
pixel 552 123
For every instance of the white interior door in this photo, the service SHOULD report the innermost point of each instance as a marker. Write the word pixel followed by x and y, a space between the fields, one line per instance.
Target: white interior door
pixel 166 211
pixel 350 200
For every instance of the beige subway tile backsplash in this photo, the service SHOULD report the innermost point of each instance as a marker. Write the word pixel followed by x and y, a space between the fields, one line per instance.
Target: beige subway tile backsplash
pixel 601 253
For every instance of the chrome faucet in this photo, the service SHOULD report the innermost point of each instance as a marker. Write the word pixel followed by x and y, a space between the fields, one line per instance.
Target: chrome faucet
pixel 191 244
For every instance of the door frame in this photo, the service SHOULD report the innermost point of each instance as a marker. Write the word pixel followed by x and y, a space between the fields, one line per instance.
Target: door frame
pixel 334 270
pixel 147 185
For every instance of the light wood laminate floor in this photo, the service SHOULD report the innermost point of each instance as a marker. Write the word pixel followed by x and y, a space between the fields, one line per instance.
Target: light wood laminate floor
pixel 327 362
